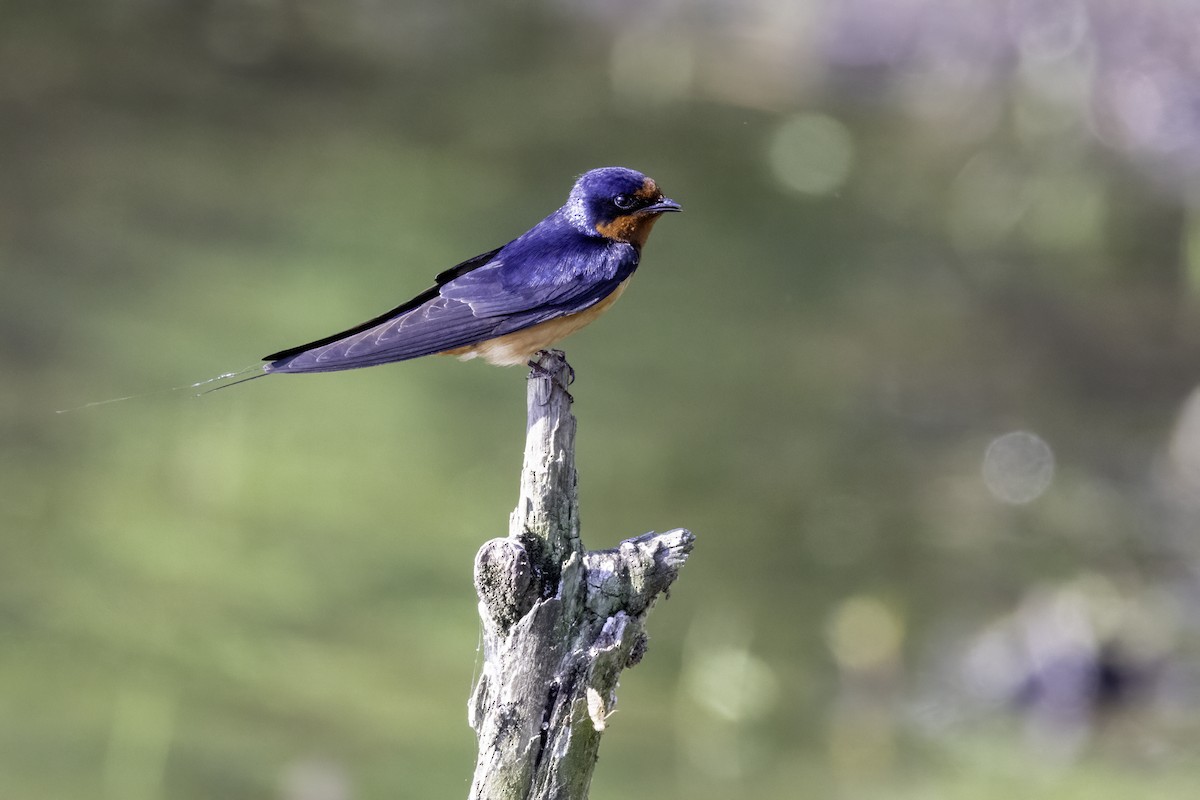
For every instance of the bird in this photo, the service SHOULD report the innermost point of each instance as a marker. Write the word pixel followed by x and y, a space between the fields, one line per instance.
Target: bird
pixel 509 304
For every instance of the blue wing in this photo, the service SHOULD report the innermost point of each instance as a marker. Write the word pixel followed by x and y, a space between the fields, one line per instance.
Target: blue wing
pixel 549 272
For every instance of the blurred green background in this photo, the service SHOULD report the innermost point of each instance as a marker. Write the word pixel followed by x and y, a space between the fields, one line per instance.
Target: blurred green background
pixel 917 365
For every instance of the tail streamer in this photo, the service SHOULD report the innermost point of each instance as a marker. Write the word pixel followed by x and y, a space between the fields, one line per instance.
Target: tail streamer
pixel 197 385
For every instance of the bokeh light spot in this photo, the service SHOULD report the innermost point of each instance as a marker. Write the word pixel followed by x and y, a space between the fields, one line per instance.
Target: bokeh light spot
pixel 733 684
pixel 864 633
pixel 812 154
pixel 1066 213
pixel 1018 467
pixel 315 779
pixel 987 199
pixel 1050 32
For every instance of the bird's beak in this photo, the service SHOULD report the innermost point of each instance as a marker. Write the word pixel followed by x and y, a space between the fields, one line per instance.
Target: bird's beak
pixel 661 205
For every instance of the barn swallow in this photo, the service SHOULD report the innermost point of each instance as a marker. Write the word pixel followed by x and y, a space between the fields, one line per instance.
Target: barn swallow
pixel 505 305
pixel 508 304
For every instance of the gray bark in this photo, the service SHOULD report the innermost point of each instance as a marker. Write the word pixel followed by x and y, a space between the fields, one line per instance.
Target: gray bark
pixel 559 623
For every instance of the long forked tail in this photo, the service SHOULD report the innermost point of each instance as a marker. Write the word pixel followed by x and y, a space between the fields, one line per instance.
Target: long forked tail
pixel 262 372
pixel 261 369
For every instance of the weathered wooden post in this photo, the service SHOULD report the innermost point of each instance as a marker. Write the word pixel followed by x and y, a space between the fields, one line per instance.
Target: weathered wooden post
pixel 559 622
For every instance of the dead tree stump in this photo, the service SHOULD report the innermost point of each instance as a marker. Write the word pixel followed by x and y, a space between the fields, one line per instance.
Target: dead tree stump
pixel 559 622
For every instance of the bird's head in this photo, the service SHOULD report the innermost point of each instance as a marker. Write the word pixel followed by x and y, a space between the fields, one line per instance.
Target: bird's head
pixel 617 203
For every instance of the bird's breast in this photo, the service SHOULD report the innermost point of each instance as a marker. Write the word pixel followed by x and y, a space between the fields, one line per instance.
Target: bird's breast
pixel 517 348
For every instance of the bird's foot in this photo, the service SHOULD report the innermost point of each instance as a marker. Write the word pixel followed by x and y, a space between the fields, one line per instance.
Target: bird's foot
pixel 551 365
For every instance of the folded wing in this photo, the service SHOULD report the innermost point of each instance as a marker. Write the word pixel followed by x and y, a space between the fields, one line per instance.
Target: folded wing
pixel 493 294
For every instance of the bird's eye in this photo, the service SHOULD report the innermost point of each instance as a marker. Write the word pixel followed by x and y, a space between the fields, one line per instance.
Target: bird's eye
pixel 623 202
